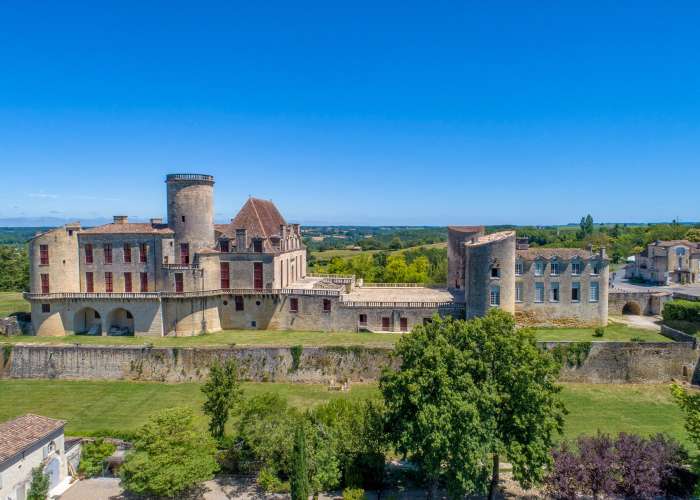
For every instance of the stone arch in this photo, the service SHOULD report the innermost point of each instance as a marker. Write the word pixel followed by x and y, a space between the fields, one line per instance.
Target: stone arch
pixel 120 322
pixel 632 307
pixel 87 321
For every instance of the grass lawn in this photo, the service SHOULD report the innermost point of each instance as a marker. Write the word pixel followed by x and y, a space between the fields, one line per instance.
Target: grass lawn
pixel 12 302
pixel 92 407
pixel 613 332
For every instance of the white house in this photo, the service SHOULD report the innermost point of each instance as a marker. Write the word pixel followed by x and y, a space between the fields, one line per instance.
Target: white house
pixel 25 443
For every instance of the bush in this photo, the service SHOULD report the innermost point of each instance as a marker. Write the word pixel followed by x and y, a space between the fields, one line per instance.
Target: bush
pixel 353 494
pixel 268 481
pixel 93 456
pixel 682 310
pixel 599 332
pixel 39 488
pixel 629 466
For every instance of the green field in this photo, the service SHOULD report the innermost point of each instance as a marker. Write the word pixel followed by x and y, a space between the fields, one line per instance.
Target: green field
pixel 614 332
pixel 94 407
pixel 12 302
pixel 327 255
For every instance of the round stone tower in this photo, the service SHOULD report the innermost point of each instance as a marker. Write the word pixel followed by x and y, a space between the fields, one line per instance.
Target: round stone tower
pixel 191 213
pixel 490 273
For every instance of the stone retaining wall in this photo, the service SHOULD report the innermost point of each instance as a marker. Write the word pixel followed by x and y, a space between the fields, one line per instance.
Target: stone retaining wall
pixel 603 362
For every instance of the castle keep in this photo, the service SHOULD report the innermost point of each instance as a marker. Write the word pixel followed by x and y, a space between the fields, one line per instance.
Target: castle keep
pixel 189 276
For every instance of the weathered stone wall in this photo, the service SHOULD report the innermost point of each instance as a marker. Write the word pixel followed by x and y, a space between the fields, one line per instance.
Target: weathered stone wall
pixel 649 303
pixel 600 362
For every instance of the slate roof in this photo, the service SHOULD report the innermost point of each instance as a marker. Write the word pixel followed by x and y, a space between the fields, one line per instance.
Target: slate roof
pixel 24 432
pixel 129 228
pixel 549 253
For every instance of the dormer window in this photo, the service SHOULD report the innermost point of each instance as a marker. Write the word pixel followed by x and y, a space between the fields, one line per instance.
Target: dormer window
pixel 257 246
pixel 224 246
pixel 576 267
pixel 539 267
pixel 554 267
pixel 595 267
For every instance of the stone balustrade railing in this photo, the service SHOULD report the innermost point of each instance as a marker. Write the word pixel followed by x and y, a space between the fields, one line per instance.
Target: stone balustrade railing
pixel 402 305
pixel 99 295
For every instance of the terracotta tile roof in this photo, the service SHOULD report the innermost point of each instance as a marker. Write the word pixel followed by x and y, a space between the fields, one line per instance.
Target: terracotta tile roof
pixel 259 217
pixel 23 432
pixel 549 253
pixel 129 228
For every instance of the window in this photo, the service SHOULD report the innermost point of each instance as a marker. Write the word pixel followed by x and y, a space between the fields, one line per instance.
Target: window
pixel 127 283
pixel 257 246
pixel 326 305
pixel 595 267
pixel 595 291
pixel 554 267
pixel 45 283
pixel 224 246
pixel 108 283
pixel 575 291
pixel 184 253
pixel 179 287
pixel 225 276
pixel 107 249
pixel 46 308
pixel 127 253
pixel 144 282
pixel 89 282
pixel 403 324
pixel 88 254
pixel 238 300
pixel 554 292
pixel 539 292
pixel 363 320
pixel 495 296
pixel 183 218
pixel 518 292
pixel 44 255
pixel 576 267
pixel 143 252
pixel 293 305
pixel 386 323
pixel 519 267
pixel 495 272
pixel 539 267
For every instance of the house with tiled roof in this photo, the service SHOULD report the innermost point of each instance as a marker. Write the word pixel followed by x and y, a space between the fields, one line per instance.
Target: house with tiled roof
pixel 666 262
pixel 27 442
pixel 187 275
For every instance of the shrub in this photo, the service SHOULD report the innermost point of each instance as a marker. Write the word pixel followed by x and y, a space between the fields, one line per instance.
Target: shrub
pixel 93 456
pixel 296 351
pixel 683 310
pixel 629 466
pixel 637 338
pixel 599 332
pixel 353 494
pixel 268 481
pixel 39 488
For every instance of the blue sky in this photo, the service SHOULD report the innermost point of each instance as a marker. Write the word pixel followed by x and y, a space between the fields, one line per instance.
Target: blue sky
pixel 356 112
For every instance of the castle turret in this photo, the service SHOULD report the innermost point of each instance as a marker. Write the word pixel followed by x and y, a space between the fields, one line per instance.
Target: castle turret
pixel 490 273
pixel 191 213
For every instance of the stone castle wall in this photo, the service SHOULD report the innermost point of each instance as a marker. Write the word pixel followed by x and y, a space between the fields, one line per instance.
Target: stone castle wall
pixel 602 362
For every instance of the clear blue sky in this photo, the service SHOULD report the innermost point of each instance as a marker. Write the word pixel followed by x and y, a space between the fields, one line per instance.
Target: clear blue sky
pixel 354 112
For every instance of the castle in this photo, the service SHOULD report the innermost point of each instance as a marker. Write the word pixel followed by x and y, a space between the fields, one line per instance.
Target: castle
pixel 188 276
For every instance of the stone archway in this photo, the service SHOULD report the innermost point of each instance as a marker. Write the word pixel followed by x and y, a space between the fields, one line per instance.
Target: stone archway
pixel 87 321
pixel 632 308
pixel 120 322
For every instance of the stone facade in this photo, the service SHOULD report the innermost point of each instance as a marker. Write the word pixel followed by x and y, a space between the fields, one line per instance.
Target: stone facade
pixel 666 262
pixel 190 276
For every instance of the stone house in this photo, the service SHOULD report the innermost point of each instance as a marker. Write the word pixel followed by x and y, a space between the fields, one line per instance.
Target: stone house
pixel 188 275
pixel 666 262
pixel 27 442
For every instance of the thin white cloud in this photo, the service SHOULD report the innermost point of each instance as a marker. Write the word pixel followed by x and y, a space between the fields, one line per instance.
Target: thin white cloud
pixel 43 195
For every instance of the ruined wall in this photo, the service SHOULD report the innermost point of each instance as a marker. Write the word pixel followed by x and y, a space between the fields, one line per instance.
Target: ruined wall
pixel 649 303
pixel 597 362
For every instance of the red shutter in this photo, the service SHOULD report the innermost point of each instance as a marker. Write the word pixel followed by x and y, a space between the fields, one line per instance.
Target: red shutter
pixel 127 282
pixel 108 283
pixel 143 252
pixel 45 283
pixel 88 254
pixel 403 322
pixel 44 255
pixel 386 323
pixel 89 282
pixel 294 305
pixel 179 288
pixel 144 282
pixel 127 253
pixel 184 253
pixel 107 248
pixel 257 275
pixel 225 281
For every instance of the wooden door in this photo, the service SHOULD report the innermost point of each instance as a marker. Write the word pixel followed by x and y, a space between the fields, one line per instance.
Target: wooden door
pixel 404 324
pixel 257 275
pixel 386 324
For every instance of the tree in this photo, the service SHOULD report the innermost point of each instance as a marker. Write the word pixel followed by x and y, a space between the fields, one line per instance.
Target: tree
pixel 469 392
pixel 690 405
pixel 586 226
pixel 170 456
pixel 693 234
pixel 93 455
pixel 39 489
pixel 222 391
pixel 299 479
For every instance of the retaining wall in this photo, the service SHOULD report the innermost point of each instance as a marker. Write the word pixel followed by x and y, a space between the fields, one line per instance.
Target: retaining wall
pixel 604 362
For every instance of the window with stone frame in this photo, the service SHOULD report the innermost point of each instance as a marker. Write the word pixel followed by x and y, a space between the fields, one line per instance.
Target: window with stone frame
pixel 554 291
pixel 43 255
pixel 519 267
pixel 45 308
pixel 539 292
pixel 127 253
pixel 225 275
pixel 238 301
pixel 144 281
pixel 594 292
pixel 179 285
pixel 128 288
pixel 519 292
pixel 576 267
pixel 495 295
pixel 495 272
pixel 109 286
pixel 89 282
pixel 539 267
pixel 88 254
pixel 554 267
pixel 576 291
pixel 107 251
pixel 257 245
pixel 595 267
pixel 143 253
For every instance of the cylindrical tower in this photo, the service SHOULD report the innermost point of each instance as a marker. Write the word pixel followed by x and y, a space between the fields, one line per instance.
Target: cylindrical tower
pixel 191 213
pixel 490 273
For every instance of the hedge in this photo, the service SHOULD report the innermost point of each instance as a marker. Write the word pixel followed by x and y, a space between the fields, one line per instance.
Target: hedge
pixel 683 310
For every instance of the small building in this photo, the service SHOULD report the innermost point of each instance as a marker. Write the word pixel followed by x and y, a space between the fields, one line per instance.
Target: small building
pixel 25 443
pixel 666 262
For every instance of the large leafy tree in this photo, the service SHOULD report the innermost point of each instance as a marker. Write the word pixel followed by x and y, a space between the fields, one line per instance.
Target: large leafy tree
pixel 222 391
pixel 469 393
pixel 170 456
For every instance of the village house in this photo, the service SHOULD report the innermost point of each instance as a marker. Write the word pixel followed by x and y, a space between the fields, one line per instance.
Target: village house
pixel 666 262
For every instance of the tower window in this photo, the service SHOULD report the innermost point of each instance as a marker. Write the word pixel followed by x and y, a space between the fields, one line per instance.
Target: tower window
pixel 225 276
pixel 238 301
pixel 89 282
pixel 45 308
pixel 495 272
pixel 495 296
pixel 184 253
pixel 179 287
pixel 44 255
pixel 45 283
pixel 183 218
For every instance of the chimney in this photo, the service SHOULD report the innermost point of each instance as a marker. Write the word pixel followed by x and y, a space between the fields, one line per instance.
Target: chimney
pixel 156 220
pixel 603 253
pixel 522 243
pixel 121 219
pixel 241 240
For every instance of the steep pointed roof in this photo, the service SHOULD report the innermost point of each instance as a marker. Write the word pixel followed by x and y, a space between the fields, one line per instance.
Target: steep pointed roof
pixel 259 217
